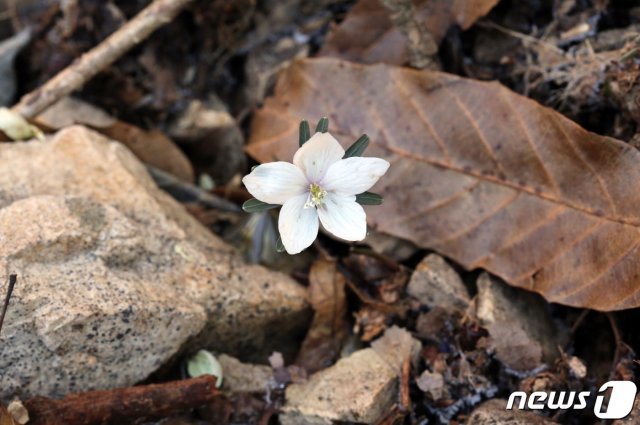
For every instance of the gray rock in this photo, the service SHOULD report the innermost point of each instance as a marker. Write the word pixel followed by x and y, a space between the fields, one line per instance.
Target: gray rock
pixel 520 325
pixel 213 138
pixel 360 388
pixel 244 377
pixel 436 283
pixel 150 146
pixel 114 276
pixel 431 383
pixel 396 248
pixel 264 63
pixel 493 412
pixel 395 346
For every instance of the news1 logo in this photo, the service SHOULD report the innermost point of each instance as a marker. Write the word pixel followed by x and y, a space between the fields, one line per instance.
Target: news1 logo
pixel 623 394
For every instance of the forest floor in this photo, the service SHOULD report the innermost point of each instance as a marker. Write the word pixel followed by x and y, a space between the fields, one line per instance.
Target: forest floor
pixel 505 254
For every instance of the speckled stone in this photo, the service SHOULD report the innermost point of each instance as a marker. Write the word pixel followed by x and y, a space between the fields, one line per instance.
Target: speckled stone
pixel 523 333
pixel 436 283
pixel 360 388
pixel 244 377
pixel 114 276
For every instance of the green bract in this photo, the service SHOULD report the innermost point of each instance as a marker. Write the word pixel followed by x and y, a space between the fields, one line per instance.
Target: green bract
pixel 253 205
pixel 205 363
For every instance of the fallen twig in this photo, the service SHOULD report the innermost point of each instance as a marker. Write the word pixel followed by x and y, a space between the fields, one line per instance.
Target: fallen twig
pixel 187 192
pixel 123 405
pixel 620 344
pixel 576 324
pixel 405 398
pixel 74 76
pixel 12 282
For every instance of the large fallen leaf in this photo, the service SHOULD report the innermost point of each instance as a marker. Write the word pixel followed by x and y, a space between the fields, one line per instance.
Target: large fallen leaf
pixel 480 174
pixel 368 36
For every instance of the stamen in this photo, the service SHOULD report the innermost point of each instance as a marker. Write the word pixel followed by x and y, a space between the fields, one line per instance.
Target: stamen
pixel 316 195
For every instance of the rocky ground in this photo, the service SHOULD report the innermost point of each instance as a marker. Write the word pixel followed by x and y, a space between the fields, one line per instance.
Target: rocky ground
pixel 504 257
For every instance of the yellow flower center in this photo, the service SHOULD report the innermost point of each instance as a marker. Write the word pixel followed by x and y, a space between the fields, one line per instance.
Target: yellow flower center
pixel 316 195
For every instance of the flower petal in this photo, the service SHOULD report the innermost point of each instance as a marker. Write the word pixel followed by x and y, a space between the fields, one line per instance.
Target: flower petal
pixel 298 225
pixel 353 176
pixel 316 156
pixel 275 182
pixel 343 217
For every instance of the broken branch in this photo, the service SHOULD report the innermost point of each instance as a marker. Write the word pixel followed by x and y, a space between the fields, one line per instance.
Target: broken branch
pixel 12 282
pixel 123 405
pixel 74 76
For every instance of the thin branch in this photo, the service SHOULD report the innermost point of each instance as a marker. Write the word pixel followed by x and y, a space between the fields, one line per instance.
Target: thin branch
pixel 322 250
pixel 73 77
pixel 405 398
pixel 523 37
pixel 187 192
pixel 123 405
pixel 583 315
pixel 12 282
pixel 620 345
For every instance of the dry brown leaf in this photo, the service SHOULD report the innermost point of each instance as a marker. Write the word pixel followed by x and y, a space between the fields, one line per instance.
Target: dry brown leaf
pixel 369 323
pixel 466 12
pixel 479 173
pixel 5 417
pixel 368 36
pixel 329 327
pixel 150 146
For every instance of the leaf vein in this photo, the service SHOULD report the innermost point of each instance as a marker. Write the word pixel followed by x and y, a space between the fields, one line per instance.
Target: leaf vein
pixel 520 236
pixel 559 254
pixel 477 129
pixel 475 225
pixel 598 177
pixel 426 120
pixel 529 140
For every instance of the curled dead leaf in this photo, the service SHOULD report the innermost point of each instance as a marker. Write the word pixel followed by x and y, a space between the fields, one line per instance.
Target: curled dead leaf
pixel 480 174
pixel 5 417
pixel 322 344
pixel 151 146
pixel 367 34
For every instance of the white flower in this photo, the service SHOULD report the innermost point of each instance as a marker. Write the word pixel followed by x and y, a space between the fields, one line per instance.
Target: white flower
pixel 318 185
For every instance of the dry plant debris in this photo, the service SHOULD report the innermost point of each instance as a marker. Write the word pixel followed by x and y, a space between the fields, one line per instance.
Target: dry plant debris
pixel 400 32
pixel 530 178
pixel 511 187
